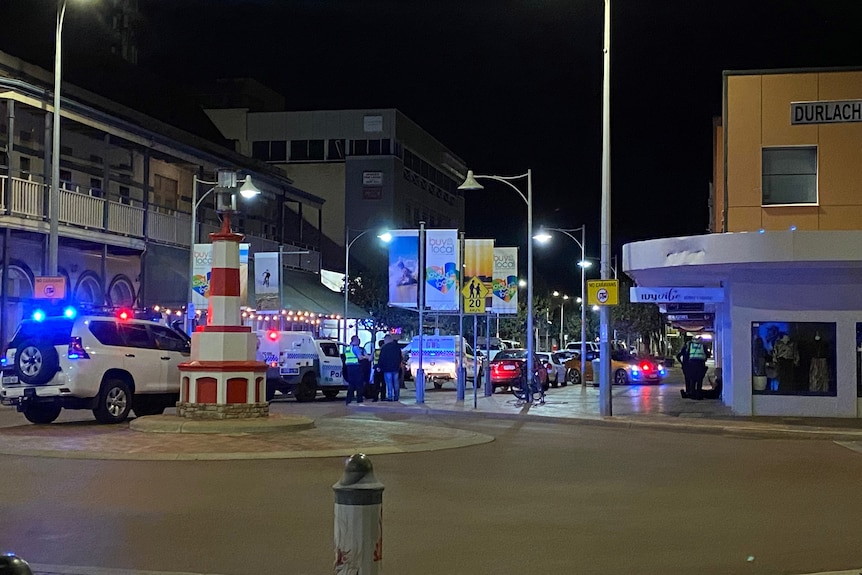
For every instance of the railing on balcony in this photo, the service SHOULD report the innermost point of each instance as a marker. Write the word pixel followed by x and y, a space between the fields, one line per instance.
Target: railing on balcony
pixel 87 209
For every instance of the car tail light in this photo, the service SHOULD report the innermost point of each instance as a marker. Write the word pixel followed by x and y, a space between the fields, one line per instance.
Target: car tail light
pixel 76 349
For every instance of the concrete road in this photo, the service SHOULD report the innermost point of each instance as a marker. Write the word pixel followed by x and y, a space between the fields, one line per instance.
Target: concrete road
pixel 542 498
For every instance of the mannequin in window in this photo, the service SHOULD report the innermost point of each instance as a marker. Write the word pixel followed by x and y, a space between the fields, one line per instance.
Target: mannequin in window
pixel 818 373
pixel 758 357
pixel 786 358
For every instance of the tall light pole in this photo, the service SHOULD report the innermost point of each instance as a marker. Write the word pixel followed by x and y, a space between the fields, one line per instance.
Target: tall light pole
pixel 562 316
pixel 605 399
pixel 470 183
pixel 385 236
pixel 543 236
pixel 226 181
pixel 54 203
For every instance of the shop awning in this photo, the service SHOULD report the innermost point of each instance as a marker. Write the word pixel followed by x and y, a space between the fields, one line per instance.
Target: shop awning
pixel 302 291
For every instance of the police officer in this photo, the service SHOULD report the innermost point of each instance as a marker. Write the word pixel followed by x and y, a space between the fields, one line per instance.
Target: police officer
pixel 378 389
pixel 353 355
pixel 693 357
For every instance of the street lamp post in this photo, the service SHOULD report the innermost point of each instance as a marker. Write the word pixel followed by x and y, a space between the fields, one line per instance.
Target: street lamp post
pixel 54 204
pixel 470 183
pixel 605 399
pixel 544 236
pixel 385 236
pixel 226 181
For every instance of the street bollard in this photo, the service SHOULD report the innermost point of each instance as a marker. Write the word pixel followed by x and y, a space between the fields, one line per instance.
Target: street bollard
pixel 358 519
pixel 11 564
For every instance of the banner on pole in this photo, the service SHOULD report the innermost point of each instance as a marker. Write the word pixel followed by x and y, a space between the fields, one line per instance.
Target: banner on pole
pixel 266 280
pixel 202 271
pixel 404 268
pixel 441 270
pixel 505 285
pixel 479 266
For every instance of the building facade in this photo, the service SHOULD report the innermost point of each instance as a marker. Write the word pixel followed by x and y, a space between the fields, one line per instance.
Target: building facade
pixel 787 255
pixel 126 197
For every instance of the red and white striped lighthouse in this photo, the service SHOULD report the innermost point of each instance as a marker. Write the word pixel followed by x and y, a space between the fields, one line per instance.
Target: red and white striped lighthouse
pixel 223 379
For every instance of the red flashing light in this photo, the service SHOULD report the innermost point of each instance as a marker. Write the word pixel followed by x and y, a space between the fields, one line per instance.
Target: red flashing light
pixel 272 335
pixel 124 315
pixel 646 367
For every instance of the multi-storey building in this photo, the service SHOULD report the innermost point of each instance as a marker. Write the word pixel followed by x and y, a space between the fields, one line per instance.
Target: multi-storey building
pixel 374 168
pixel 783 272
pixel 126 193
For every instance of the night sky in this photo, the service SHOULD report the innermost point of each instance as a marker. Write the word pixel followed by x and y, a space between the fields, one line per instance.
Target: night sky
pixel 511 85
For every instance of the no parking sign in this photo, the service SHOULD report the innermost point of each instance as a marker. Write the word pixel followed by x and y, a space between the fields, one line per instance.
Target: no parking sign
pixel 603 292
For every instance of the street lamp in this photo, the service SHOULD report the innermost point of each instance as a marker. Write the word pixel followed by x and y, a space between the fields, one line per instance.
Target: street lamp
pixel 470 183
pixel 562 307
pixel 385 236
pixel 54 196
pixel 543 236
pixel 226 184
pixel 605 398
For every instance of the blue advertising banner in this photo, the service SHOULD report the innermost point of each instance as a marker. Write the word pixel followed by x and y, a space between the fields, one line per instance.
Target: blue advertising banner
pixel 404 268
pixel 441 270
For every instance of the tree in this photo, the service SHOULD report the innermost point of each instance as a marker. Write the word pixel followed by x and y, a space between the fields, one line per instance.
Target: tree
pixel 637 320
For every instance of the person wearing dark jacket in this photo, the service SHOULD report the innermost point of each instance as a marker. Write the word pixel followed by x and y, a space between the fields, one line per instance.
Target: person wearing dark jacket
pixel 390 364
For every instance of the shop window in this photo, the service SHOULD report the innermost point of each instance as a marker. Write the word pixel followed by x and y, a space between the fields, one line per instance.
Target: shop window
pixel 793 358
pixel 790 175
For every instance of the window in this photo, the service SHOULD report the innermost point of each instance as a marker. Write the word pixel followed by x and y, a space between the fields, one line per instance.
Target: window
pixel 315 149
pixel 298 150
pixel 136 335
pixel 790 175
pixel 260 150
pixel 168 339
pixel 278 151
pixel 374 147
pixel 106 332
pixel 358 147
pixel 336 150
pixel 165 192
pixel 24 162
pixel 793 358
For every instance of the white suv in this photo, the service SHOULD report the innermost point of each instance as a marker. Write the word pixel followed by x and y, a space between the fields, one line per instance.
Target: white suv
pixel 106 364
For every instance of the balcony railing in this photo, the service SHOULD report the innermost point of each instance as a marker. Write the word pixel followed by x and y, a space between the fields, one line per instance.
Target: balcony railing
pixel 83 208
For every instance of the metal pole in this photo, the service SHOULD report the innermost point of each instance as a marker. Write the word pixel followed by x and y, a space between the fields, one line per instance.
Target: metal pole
pixel 190 308
pixel 461 381
pixel 346 280
pixel 530 335
pixel 54 207
pixel 605 395
pixel 562 307
pixel 486 365
pixel 583 307
pixel 420 373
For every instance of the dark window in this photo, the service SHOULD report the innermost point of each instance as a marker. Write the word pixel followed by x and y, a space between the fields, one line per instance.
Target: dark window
pixel 374 147
pixel 336 150
pixel 136 335
pixel 56 331
pixel 260 150
pixel 423 169
pixel 359 147
pixel 790 175
pixel 106 332
pixel 96 187
pixel 278 151
pixel 169 340
pixel 329 349
pixel 315 149
pixel 298 150
pixel 386 147
pixel 24 162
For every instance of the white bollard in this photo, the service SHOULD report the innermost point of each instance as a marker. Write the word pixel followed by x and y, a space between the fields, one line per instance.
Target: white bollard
pixel 358 519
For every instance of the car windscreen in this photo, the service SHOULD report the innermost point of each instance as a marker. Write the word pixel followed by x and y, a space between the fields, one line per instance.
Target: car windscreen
pixel 55 331
pixel 511 354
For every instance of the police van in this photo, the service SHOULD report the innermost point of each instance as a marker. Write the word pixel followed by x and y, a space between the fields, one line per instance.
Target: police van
pixel 440 358
pixel 300 364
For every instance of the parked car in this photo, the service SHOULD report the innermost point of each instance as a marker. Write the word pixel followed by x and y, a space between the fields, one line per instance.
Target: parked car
pixel 625 369
pixel 109 364
pixel 509 368
pixel 555 364
pixel 592 349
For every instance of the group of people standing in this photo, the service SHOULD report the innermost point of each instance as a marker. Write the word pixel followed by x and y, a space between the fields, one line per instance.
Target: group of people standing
pixel 382 373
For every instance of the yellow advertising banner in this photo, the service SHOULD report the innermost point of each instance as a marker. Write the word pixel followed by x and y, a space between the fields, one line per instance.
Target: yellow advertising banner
pixel 478 266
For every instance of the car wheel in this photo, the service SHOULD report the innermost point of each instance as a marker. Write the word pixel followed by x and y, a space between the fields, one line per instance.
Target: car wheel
pixel 573 376
pixel 36 362
pixel 330 393
pixel 115 402
pixel 306 390
pixel 41 413
pixel 620 377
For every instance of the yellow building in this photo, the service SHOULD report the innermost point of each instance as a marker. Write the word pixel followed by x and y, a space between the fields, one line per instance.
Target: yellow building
pixel 783 270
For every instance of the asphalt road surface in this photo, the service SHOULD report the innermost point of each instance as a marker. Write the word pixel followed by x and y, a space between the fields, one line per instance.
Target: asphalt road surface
pixel 541 498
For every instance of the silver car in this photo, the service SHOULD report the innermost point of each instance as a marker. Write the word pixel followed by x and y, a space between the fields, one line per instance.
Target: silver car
pixel 555 365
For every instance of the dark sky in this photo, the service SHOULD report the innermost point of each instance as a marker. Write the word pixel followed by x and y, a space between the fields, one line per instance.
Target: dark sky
pixel 511 85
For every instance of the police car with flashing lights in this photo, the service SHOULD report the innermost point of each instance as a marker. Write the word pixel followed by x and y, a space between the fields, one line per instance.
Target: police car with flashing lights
pixel 300 364
pixel 111 364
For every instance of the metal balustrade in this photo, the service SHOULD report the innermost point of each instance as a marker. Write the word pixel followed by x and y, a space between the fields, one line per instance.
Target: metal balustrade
pixel 26 199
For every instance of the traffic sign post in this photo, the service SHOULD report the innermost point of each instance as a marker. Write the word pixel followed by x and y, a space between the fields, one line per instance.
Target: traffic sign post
pixel 474 293
pixel 603 292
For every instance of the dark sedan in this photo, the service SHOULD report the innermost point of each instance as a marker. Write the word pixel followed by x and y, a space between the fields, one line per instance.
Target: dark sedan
pixel 509 368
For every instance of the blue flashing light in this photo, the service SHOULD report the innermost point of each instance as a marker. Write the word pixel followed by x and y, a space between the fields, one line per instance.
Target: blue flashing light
pixel 38 315
pixel 792 228
pixel 70 312
pixel 761 231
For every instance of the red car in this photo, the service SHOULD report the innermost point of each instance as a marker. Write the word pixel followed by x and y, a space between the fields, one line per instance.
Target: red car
pixel 509 368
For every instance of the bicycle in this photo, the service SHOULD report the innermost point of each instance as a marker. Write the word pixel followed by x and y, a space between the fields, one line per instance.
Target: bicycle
pixel 528 393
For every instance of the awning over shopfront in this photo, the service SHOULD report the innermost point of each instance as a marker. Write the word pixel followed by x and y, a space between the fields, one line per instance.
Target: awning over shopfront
pixel 302 291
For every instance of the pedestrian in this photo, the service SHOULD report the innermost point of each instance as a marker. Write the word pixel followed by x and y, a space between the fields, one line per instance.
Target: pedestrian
pixel 390 365
pixel 354 358
pixel 378 388
pixel 693 357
